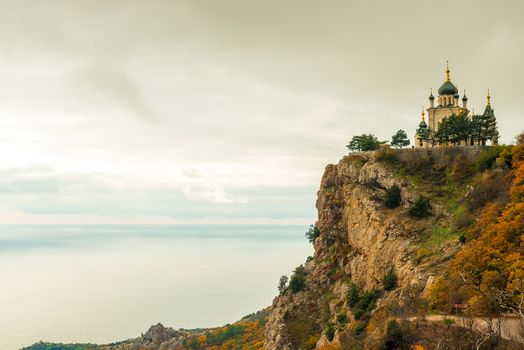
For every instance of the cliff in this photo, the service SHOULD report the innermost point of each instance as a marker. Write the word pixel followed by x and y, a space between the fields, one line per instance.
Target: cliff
pixel 373 264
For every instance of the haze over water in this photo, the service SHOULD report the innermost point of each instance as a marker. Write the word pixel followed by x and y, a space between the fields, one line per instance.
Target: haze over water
pixel 105 283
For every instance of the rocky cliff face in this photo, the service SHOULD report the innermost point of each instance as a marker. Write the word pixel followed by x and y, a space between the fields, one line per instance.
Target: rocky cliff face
pixel 360 241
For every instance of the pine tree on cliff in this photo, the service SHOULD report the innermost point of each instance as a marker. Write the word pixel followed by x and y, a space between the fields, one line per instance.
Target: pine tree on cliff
pixel 400 139
pixel 476 128
pixel 364 142
pixel 488 122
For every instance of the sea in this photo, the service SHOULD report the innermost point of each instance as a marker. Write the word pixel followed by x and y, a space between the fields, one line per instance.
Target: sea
pixel 106 283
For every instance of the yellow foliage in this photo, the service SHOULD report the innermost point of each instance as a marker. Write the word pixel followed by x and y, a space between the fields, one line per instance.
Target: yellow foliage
pixel 494 261
pixel 252 338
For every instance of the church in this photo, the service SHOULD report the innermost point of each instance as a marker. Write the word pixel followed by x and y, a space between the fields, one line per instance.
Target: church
pixel 448 104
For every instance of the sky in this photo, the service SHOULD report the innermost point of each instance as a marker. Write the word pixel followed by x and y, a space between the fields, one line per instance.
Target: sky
pixel 203 111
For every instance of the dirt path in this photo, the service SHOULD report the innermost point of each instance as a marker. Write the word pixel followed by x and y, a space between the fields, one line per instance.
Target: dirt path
pixel 511 328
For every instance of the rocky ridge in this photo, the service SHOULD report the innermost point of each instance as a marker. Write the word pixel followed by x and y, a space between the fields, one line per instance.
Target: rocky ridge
pixel 360 242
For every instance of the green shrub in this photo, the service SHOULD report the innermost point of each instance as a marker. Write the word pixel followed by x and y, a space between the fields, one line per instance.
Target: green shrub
pixel 462 238
pixel 393 197
pixel 486 159
pixel 390 280
pixel 312 233
pixel 330 331
pixel 298 280
pixel 362 303
pixel 359 327
pixel 342 318
pixel 353 295
pixel 421 208
pixel 367 300
pixel 282 285
pixel 358 314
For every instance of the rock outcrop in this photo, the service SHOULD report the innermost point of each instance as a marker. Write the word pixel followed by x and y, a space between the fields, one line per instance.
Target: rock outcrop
pixel 360 241
pixel 157 337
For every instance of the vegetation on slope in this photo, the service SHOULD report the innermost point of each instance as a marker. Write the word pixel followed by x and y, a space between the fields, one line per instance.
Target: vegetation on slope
pixel 246 335
pixel 490 269
pixel 445 194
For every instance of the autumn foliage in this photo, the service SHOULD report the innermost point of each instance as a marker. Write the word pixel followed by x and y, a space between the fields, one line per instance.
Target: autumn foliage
pixel 241 335
pixel 492 264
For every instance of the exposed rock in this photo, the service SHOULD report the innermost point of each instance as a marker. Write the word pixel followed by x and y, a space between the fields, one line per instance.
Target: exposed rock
pixel 157 337
pixel 360 241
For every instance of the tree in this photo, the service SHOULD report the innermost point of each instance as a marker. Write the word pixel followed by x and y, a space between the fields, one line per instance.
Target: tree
pixel 461 126
pixel 364 142
pixel 454 129
pixel 519 139
pixel 442 136
pixel 393 197
pixel 298 280
pixel 424 135
pixel 390 280
pixel 421 208
pixel 282 284
pixel 476 129
pixel 330 331
pixel 489 128
pixel 354 295
pixel 312 233
pixel 400 139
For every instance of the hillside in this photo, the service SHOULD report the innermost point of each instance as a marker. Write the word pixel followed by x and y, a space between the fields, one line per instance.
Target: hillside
pixel 413 248
pixel 377 271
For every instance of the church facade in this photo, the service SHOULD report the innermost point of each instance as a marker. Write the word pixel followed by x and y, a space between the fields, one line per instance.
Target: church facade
pixel 448 103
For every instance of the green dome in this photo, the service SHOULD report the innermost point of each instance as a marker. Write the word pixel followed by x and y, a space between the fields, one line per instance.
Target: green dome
pixel 447 89
pixel 423 125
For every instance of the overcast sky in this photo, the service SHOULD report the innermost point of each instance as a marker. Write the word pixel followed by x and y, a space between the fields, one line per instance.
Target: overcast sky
pixel 225 111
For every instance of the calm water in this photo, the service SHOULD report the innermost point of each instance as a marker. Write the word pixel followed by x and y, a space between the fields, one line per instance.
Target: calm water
pixel 106 283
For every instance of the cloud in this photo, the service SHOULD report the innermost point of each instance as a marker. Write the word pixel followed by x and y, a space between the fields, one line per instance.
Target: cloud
pixel 101 89
pixel 224 110
pixel 212 194
pixel 41 196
